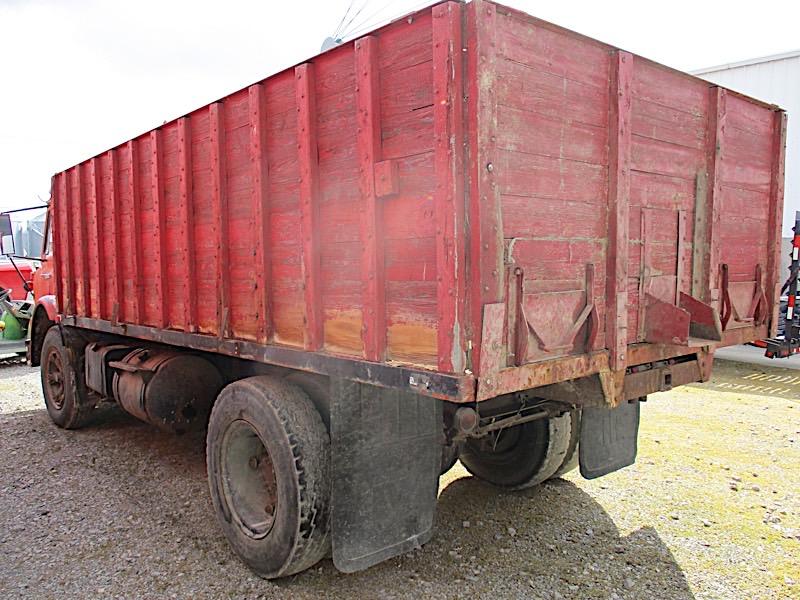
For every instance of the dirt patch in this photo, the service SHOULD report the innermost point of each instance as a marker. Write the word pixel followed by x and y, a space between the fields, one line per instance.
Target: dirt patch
pixel 710 510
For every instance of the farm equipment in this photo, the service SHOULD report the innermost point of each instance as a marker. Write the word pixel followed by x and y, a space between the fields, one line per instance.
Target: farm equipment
pixel 468 234
pixel 15 315
pixel 787 342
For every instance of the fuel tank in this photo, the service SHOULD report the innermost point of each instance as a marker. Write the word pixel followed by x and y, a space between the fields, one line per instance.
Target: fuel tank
pixel 172 390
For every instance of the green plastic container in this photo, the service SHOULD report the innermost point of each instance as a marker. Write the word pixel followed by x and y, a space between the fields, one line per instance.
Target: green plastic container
pixel 13 329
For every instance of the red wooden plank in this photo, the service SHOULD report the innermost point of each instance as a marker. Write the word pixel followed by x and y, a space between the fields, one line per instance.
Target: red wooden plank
pixel 185 209
pixel 96 240
pixel 549 48
pixel 373 277
pixel 219 209
pixel 680 258
pixel 619 187
pixel 526 131
pixel 448 92
pixel 82 247
pixel 117 311
pixel 159 227
pixel 775 241
pixel 715 144
pixel 261 216
pixel 486 270
pixel 550 96
pixel 136 252
pixel 66 250
pixel 57 224
pixel 307 156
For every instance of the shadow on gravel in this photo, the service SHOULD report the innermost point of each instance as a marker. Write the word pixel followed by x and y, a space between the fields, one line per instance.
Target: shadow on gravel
pixel 141 522
pixel 554 541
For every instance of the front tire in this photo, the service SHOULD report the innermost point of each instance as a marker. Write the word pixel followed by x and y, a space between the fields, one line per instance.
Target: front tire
pixel 68 402
pixel 269 473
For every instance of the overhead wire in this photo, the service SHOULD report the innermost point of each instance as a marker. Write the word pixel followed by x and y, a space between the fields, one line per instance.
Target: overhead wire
pixel 344 16
pixel 374 13
pixel 355 32
pixel 363 6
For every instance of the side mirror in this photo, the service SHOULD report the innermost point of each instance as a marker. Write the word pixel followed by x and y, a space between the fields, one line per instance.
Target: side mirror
pixel 6 235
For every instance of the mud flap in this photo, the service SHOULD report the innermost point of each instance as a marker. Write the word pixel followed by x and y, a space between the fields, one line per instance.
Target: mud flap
pixel 608 439
pixel 386 456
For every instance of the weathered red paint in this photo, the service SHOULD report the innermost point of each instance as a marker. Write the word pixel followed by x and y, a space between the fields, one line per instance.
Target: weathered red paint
pixel 134 288
pixel 187 224
pixel 219 212
pixel 48 303
pixel 159 227
pixel 619 189
pixel 308 162
pixel 469 191
pixel 258 160
pixel 775 242
pixel 369 144
pixel 448 85
pixel 116 235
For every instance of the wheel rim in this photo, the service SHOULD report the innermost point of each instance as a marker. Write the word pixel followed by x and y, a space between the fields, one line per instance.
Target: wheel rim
pixel 248 479
pixel 54 379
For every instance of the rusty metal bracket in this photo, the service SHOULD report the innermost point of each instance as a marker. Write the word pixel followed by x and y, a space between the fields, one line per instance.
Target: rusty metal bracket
pixel 665 323
pixel 587 316
pixel 758 312
pixel 725 314
pixel 704 320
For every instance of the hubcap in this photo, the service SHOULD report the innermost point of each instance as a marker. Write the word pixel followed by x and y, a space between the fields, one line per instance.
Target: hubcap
pixel 54 378
pixel 248 479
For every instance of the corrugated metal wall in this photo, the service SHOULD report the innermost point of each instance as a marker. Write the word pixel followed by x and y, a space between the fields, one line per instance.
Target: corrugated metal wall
pixel 773 79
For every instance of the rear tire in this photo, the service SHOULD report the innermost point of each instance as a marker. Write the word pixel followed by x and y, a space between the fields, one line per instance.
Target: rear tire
pixel 69 403
pixel 522 456
pixel 269 473
pixel 449 458
pixel 571 458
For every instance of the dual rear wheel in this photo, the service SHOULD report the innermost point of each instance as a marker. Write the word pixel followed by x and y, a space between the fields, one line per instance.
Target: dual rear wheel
pixel 269 469
pixel 525 455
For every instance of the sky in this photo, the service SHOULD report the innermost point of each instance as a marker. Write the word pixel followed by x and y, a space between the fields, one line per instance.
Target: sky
pixel 80 76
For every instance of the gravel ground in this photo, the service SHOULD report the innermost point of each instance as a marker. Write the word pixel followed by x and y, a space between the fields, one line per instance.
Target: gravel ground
pixel 710 510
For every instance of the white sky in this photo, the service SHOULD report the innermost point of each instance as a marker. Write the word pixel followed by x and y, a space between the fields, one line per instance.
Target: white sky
pixel 80 76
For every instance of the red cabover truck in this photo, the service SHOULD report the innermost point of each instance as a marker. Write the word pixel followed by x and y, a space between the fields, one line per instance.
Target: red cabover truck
pixel 469 233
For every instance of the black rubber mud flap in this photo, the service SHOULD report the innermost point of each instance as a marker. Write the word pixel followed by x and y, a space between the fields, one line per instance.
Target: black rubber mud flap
pixel 608 439
pixel 386 456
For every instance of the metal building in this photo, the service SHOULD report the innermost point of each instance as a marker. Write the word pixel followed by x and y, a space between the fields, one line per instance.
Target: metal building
pixel 773 79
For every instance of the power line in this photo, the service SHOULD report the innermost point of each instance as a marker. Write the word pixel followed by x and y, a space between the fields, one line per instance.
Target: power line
pixel 363 6
pixel 366 19
pixel 344 16
pixel 356 32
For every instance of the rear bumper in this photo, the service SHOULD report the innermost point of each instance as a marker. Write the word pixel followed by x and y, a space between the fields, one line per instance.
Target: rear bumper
pixel 588 380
